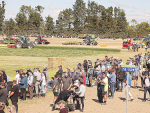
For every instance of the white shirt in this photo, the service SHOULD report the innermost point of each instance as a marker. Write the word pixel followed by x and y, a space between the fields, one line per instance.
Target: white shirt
pixel 103 68
pixel 43 80
pixel 17 78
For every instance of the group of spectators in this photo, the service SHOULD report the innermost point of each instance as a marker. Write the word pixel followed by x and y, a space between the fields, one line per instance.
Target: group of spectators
pixel 108 77
pixel 35 81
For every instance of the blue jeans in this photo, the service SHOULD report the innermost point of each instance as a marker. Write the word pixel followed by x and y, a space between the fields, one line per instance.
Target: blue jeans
pixel 112 87
pixel 120 81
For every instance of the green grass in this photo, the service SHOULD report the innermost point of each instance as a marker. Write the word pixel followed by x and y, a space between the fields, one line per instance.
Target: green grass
pixel 48 51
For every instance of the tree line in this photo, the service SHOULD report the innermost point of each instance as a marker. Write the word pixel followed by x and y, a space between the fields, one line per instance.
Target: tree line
pixel 93 19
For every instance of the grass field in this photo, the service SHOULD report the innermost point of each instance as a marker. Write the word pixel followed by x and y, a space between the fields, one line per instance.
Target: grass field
pixel 13 59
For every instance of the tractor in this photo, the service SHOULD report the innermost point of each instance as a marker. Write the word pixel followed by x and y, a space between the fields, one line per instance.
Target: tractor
pixel 40 40
pixel 9 40
pixel 90 40
pixel 24 42
pixel 146 40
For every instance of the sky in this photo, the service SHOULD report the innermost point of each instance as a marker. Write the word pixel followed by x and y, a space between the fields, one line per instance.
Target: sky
pixel 134 9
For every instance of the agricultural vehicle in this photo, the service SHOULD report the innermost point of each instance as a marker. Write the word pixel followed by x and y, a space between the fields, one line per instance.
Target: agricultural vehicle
pixel 127 43
pixel 90 40
pixel 9 40
pixel 146 40
pixel 40 40
pixel 72 43
pixel 24 42
pixel 82 35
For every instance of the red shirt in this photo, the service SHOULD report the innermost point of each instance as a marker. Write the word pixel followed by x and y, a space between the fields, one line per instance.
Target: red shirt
pixel 63 110
pixel 84 78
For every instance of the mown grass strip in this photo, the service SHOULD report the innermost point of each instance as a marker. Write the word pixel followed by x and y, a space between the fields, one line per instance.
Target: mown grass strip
pixel 46 51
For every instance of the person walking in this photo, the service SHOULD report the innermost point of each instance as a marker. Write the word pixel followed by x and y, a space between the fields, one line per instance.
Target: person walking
pixel 14 95
pixel 30 84
pixel 38 79
pixel 112 82
pixel 23 86
pixel 127 87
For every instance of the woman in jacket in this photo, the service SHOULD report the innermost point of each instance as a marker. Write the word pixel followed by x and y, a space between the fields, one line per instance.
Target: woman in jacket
pixel 23 86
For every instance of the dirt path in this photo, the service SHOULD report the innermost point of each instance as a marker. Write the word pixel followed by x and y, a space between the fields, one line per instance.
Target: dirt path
pixel 42 105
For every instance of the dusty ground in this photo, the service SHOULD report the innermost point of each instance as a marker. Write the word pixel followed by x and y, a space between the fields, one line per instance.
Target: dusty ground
pixel 116 105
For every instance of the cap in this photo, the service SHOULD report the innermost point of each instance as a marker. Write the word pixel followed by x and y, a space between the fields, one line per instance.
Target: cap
pixel 2 83
pixel 61 102
pixel 60 66
pixel 120 59
pixel 76 82
pixel 88 59
pixel 68 67
pixel 28 68
pixel 17 70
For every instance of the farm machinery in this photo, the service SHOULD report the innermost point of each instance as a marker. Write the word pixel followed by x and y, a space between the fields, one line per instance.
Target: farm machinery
pixel 22 42
pixel 146 40
pixel 8 40
pixel 90 40
pixel 40 40
pixel 72 43
pixel 127 43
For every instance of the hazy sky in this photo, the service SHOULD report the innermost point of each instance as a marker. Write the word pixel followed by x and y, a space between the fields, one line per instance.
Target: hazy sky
pixel 134 9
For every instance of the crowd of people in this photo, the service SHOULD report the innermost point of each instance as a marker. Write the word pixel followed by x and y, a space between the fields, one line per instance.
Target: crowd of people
pixel 35 82
pixel 108 78
pixel 106 74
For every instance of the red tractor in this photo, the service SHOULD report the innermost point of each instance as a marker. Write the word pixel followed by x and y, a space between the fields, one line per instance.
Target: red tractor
pixel 127 43
pixel 40 40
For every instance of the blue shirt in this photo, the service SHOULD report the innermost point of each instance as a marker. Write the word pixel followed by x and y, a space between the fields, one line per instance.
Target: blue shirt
pixel 112 78
pixel 23 82
pixel 129 79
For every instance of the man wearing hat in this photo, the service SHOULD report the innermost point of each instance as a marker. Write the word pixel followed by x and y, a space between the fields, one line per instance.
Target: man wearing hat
pixel 61 104
pixel 60 71
pixel 17 76
pixel 90 62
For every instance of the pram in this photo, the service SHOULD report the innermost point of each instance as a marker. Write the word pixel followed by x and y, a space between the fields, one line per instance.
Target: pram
pixel 64 95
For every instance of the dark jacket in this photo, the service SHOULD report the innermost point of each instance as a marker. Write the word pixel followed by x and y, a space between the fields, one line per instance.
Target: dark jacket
pixel 3 95
pixel 60 71
pixel 121 74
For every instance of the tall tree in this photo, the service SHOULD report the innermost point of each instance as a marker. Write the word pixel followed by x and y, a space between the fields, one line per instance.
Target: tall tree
pixel 49 24
pixel 10 26
pixel 2 16
pixel 79 15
